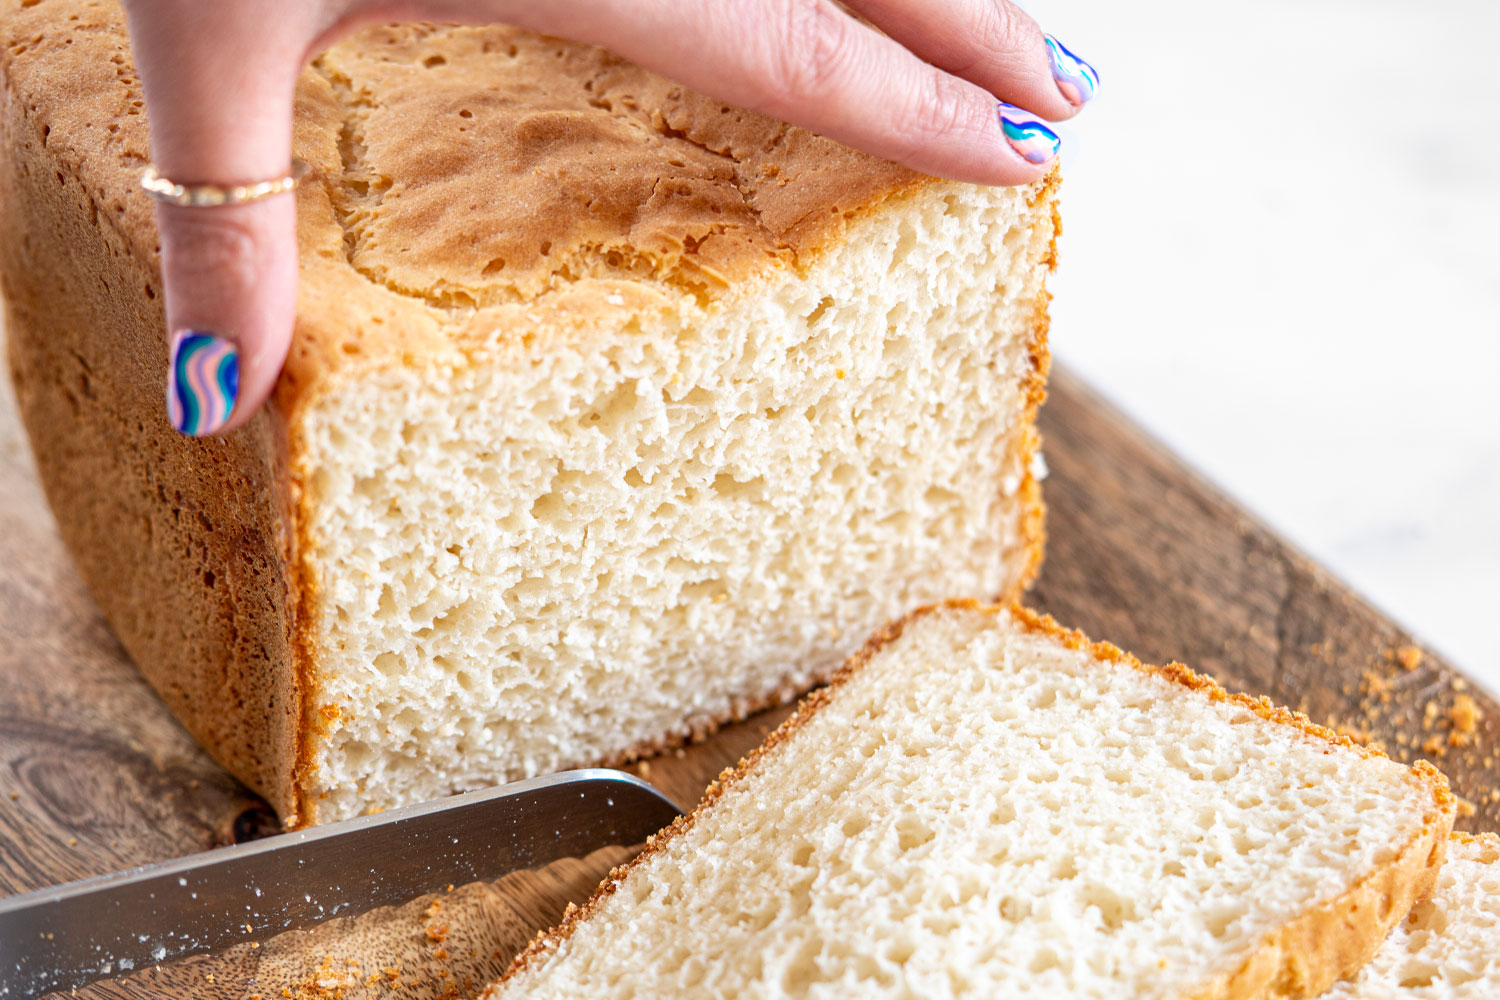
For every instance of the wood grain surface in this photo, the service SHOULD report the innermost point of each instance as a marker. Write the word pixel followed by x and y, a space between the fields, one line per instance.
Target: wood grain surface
pixel 95 775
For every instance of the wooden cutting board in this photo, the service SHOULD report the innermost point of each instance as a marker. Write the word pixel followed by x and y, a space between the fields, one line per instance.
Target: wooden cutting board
pixel 96 776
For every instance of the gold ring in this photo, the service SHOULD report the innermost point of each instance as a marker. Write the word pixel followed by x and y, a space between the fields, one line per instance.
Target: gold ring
pixel 214 195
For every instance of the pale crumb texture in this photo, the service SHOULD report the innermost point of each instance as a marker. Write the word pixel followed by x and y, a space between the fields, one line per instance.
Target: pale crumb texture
pixel 980 810
pixel 1448 947
pixel 539 559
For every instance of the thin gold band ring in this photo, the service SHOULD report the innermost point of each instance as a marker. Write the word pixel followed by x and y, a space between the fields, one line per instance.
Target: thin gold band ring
pixel 215 195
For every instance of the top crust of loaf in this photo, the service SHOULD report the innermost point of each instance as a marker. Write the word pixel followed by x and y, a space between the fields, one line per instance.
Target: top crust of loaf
pixel 1355 922
pixel 472 185
pixel 543 162
pixel 481 186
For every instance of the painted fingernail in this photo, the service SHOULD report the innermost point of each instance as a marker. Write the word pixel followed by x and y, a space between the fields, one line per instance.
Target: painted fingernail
pixel 1077 80
pixel 1028 134
pixel 204 383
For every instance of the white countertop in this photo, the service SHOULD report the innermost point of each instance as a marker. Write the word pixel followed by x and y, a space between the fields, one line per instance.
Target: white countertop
pixel 1281 254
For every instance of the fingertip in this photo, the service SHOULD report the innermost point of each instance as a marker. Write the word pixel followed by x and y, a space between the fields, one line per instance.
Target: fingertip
pixel 1075 77
pixel 203 382
pixel 1028 137
pixel 215 385
pixel 231 276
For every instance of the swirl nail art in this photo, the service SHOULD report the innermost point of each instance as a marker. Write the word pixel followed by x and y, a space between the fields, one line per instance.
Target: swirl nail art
pixel 1028 134
pixel 204 383
pixel 1077 80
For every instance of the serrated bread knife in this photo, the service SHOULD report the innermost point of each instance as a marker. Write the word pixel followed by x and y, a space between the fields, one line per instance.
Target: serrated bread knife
pixel 73 934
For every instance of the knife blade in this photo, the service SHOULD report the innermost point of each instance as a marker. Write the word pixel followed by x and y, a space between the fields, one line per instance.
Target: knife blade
pixel 72 934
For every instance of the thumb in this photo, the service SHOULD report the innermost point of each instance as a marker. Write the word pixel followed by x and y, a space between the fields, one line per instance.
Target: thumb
pixel 219 96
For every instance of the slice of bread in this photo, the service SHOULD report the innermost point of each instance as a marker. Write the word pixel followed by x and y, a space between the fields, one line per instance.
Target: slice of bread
pixel 1448 947
pixel 612 412
pixel 984 805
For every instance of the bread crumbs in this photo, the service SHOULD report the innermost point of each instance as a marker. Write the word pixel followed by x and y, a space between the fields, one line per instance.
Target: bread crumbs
pixel 1464 715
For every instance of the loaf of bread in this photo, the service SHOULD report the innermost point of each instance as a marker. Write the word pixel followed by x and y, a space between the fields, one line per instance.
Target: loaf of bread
pixel 982 804
pixel 612 412
pixel 1448 947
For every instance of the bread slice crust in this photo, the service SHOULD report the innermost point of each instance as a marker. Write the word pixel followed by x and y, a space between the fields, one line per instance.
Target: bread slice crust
pixel 1302 958
pixel 1449 946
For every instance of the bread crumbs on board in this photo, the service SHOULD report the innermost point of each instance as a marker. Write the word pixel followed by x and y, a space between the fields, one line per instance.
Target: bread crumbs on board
pixel 1422 709
pixel 1464 716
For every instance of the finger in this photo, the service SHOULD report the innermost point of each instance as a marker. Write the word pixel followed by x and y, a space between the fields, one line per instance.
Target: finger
pixel 807 62
pixel 994 44
pixel 219 94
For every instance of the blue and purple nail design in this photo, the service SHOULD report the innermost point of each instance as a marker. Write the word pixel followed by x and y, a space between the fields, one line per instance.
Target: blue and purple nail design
pixel 1077 80
pixel 1028 134
pixel 204 383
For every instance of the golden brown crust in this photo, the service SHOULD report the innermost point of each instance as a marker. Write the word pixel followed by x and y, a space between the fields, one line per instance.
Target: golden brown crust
pixel 1300 959
pixel 1033 525
pixel 543 161
pixel 1332 940
pixel 183 543
pixel 1178 673
pixel 302 810
pixel 1487 844
pixel 549 175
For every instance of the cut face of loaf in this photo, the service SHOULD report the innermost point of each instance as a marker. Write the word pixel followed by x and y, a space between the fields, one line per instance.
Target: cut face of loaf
pixel 982 805
pixel 612 413
pixel 692 514
pixel 1448 947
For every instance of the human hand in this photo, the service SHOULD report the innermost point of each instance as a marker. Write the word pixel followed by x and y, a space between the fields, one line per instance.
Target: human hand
pixel 941 91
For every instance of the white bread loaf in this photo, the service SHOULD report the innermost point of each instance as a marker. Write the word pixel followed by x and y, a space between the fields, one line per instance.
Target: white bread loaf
pixel 1448 947
pixel 612 413
pixel 984 805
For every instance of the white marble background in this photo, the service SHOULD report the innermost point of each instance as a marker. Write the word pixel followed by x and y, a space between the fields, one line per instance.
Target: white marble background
pixel 1282 256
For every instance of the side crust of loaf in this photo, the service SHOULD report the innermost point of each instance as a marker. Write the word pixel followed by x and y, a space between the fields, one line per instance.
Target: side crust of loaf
pixel 183 543
pixel 1301 959
pixel 1034 391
